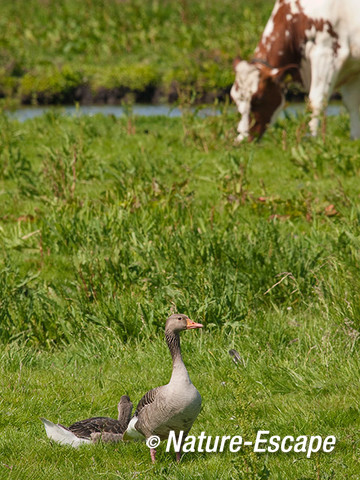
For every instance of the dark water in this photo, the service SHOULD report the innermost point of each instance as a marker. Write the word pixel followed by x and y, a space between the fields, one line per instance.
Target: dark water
pixel 26 113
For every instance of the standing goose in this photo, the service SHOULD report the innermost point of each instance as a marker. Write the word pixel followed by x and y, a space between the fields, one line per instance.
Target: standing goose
pixel 174 406
pixel 92 429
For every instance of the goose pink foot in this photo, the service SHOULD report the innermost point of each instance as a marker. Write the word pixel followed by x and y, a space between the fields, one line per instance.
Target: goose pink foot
pixel 152 454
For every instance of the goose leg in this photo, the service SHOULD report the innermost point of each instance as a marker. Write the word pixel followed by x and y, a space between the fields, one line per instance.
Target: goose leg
pixel 178 456
pixel 152 454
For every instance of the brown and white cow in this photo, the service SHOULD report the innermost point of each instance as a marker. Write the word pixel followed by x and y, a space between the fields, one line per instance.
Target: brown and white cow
pixel 315 41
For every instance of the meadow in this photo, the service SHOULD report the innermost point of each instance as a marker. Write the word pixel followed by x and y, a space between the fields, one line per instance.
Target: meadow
pixel 75 50
pixel 108 225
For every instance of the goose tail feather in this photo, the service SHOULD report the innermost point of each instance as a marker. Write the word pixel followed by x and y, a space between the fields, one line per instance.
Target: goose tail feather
pixel 62 435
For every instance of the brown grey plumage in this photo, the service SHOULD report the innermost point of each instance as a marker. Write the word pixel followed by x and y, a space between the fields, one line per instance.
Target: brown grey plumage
pixel 92 429
pixel 148 398
pixel 85 428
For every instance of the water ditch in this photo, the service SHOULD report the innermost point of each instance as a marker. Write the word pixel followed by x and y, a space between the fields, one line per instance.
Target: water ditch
pixel 25 113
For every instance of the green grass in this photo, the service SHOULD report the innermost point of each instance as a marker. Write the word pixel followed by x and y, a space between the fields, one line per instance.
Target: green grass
pixel 107 225
pixel 71 49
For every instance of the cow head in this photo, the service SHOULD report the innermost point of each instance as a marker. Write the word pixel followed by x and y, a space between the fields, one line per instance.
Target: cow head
pixel 258 94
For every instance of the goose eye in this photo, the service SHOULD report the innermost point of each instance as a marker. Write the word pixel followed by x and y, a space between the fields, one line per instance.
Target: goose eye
pixel 179 318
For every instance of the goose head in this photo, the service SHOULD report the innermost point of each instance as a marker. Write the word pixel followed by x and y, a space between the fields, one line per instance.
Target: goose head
pixel 124 407
pixel 179 322
pixel 124 400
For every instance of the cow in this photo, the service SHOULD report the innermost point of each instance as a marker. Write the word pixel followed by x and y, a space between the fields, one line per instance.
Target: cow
pixel 317 42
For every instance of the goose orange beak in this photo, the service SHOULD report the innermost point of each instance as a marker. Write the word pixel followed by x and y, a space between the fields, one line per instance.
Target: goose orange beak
pixel 190 324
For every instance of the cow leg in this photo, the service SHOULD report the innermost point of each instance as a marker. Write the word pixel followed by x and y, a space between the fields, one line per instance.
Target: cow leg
pixel 351 98
pixel 243 128
pixel 323 76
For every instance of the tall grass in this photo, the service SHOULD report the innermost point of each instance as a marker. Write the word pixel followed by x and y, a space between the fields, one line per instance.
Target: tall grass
pixel 100 225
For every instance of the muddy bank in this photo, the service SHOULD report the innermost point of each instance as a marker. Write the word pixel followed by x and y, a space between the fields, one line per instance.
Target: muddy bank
pixel 86 94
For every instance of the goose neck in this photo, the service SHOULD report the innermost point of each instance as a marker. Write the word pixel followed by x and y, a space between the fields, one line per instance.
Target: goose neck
pixel 179 370
pixel 173 342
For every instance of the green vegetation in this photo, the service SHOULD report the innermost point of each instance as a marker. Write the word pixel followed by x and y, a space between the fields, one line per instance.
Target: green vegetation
pixel 55 52
pixel 108 224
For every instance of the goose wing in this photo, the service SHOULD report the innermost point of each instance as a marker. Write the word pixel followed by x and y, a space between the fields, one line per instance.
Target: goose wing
pixel 146 400
pixel 134 431
pixel 84 428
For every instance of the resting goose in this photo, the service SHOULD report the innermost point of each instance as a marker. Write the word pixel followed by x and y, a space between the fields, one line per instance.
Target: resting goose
pixel 174 406
pixel 92 429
